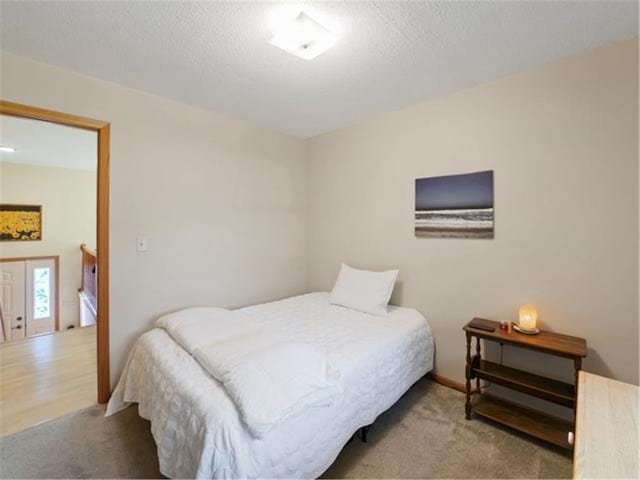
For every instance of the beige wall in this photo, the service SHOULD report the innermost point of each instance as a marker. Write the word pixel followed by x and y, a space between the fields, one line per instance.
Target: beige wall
pixel 563 143
pixel 68 199
pixel 222 202
pixel 230 222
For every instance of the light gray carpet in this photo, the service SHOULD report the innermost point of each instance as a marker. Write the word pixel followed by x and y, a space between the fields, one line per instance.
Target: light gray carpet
pixel 425 435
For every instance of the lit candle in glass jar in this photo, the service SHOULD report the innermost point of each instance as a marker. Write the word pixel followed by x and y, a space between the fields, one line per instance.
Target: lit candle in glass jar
pixel 528 317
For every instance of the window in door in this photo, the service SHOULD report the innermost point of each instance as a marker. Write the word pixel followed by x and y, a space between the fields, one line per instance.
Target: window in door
pixel 41 293
pixel 41 296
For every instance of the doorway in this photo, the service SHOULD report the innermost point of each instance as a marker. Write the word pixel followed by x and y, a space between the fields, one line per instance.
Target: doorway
pixel 34 311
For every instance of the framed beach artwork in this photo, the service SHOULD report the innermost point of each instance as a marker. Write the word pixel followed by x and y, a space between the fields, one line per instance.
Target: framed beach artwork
pixel 20 222
pixel 455 206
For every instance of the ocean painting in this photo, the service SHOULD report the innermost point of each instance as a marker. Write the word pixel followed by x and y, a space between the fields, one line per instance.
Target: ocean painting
pixel 455 206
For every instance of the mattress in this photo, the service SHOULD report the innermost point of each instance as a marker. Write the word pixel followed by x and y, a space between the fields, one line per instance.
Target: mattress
pixel 198 430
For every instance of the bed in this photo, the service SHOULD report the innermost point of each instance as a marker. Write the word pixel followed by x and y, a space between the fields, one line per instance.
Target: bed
pixel 198 430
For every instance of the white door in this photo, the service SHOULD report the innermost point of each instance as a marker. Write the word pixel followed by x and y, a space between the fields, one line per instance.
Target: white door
pixel 41 296
pixel 13 299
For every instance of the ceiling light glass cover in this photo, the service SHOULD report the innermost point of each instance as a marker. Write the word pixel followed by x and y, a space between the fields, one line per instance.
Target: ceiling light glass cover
pixel 303 37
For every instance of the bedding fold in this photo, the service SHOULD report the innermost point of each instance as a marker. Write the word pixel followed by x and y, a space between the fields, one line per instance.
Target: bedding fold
pixel 195 327
pixel 269 379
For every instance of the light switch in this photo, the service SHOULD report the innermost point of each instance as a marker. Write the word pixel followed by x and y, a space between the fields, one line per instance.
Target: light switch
pixel 141 244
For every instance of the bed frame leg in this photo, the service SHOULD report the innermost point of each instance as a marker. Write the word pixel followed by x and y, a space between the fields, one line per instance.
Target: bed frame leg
pixel 362 433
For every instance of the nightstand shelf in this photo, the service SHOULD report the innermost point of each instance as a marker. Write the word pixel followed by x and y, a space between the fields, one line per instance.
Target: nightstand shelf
pixel 524 419
pixel 520 417
pixel 525 382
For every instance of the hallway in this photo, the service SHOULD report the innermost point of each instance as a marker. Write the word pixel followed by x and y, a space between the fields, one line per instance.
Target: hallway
pixel 45 377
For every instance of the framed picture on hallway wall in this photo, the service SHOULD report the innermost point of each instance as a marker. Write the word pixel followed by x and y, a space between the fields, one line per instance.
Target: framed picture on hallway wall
pixel 20 222
pixel 455 206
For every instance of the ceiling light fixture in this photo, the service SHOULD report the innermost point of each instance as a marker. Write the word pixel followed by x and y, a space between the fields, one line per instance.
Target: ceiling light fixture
pixel 303 37
pixel 6 149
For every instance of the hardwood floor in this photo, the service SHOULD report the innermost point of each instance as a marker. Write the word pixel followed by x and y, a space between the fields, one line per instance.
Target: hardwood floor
pixel 46 377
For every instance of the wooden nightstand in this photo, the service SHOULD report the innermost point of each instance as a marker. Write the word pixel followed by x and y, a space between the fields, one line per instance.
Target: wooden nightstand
pixel 541 425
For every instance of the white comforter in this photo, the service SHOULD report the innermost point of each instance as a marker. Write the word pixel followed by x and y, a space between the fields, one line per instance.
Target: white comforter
pixel 196 424
pixel 269 377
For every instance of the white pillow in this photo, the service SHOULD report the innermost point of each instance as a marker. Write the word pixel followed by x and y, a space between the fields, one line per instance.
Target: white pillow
pixel 364 291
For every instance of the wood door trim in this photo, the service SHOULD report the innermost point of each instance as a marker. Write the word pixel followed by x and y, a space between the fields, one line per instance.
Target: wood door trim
pixel 102 260
pixel 102 129
pixel 4 332
pixel 24 259
pixel 35 113
pixel 56 279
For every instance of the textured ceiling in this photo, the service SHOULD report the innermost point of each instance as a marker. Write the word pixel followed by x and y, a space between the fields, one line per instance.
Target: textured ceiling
pixel 48 144
pixel 390 54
